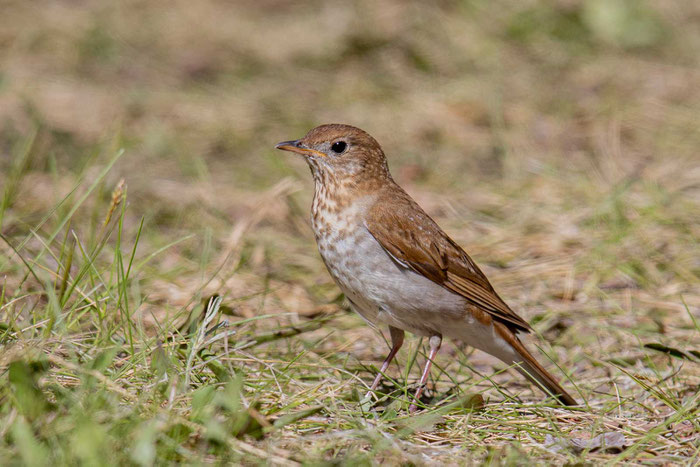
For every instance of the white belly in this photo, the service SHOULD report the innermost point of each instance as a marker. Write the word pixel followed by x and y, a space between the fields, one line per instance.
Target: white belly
pixel 380 289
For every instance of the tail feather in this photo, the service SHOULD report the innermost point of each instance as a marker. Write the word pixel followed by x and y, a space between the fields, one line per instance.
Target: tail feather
pixel 531 368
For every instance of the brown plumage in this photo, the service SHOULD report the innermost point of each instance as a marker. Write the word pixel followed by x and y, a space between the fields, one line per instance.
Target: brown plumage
pixel 394 263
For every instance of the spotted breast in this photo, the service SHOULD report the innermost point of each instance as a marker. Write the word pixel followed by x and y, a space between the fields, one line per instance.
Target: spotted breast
pixel 370 278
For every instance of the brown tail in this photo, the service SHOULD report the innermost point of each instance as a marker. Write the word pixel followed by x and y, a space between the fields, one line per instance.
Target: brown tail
pixel 531 369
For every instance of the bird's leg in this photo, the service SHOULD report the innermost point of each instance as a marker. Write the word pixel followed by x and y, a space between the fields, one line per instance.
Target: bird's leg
pixel 396 343
pixel 435 342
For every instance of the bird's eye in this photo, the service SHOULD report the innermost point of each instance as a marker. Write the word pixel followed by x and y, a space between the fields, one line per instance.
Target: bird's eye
pixel 339 146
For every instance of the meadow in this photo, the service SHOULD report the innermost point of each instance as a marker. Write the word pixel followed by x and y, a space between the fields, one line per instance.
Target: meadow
pixel 161 297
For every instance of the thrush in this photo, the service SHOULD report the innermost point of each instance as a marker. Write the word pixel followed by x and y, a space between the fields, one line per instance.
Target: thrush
pixel 396 266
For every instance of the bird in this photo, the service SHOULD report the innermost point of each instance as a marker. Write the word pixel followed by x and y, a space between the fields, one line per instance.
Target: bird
pixel 397 267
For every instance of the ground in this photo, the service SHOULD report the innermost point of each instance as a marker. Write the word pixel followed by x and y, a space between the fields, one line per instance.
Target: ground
pixel 557 141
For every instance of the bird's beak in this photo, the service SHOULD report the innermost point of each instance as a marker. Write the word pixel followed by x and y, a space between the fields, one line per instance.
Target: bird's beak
pixel 296 146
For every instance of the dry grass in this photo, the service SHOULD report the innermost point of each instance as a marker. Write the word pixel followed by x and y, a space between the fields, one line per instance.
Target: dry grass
pixel 557 141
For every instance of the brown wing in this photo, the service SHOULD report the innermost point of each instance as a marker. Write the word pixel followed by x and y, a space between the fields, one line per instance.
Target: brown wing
pixel 416 242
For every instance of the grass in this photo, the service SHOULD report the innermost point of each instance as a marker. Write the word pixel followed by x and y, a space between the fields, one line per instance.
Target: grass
pixel 161 298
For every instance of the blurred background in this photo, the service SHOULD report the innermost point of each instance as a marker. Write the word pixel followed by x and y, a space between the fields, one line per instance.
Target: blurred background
pixel 557 140
pixel 508 119
pixel 453 89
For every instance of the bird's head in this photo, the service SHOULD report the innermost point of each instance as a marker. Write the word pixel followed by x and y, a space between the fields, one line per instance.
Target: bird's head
pixel 341 152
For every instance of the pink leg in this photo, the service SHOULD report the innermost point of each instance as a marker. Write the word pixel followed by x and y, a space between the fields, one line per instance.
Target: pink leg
pixel 396 343
pixel 435 342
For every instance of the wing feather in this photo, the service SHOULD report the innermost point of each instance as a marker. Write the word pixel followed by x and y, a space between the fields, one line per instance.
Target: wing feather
pixel 417 243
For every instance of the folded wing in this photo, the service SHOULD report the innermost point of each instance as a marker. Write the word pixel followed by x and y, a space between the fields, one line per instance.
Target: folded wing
pixel 416 242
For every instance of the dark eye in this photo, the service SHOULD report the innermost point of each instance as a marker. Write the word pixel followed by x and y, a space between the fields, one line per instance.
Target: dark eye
pixel 339 146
